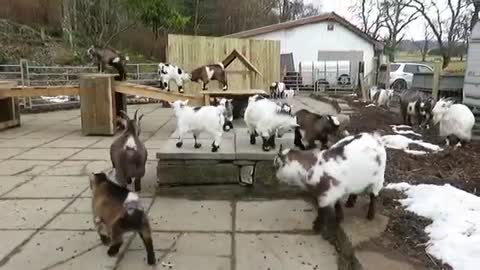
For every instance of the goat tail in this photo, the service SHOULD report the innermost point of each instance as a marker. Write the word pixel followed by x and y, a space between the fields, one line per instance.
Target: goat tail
pixel 221 65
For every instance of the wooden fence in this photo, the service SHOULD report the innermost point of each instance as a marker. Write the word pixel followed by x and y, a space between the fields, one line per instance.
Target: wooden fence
pixel 190 52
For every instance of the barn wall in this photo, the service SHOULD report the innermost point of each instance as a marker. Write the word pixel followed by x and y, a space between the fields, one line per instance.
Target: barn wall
pixel 190 52
pixel 305 42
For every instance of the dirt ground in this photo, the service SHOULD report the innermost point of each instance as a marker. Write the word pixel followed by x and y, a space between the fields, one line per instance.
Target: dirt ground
pixel 460 168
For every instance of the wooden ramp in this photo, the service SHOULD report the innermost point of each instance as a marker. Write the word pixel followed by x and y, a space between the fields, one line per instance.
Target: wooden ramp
pixel 152 92
pixel 36 91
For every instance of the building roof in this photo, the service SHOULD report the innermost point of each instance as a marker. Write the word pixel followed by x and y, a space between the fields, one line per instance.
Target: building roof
pixel 331 16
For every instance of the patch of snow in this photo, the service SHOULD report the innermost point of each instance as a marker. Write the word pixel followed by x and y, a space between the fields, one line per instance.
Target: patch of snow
pixel 395 129
pixel 401 142
pixel 401 126
pixel 455 229
pixel 370 105
pixel 415 152
pixel 356 101
pixel 57 99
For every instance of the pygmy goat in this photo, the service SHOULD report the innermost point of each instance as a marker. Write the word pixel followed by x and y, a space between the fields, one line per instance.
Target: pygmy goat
pixel 128 153
pixel 228 113
pixel 313 127
pixel 207 73
pixel 168 72
pixel 116 211
pixel 456 121
pixel 277 89
pixel 383 97
pixel 208 119
pixel 111 57
pixel 265 117
pixel 418 105
pixel 352 166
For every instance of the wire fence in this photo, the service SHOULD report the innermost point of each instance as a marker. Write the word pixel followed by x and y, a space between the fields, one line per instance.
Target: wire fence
pixel 34 75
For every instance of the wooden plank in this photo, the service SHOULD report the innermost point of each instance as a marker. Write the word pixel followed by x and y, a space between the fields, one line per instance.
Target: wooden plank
pixel 10 124
pixel 152 92
pixel 245 92
pixel 40 91
pixel 96 105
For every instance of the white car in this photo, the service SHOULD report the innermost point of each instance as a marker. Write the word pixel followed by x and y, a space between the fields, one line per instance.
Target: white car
pixel 401 74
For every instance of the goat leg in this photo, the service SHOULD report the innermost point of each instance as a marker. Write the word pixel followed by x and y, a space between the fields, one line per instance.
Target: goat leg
pixel 225 85
pixel 320 220
pixel 298 139
pixel 145 234
pixel 116 240
pixel 101 230
pixel 138 184
pixel 204 88
pixel 352 200
pixel 180 89
pixel 216 141
pixel 271 141
pixel 266 144
pixel 196 145
pixel 180 138
pixel 371 207
pixel 338 212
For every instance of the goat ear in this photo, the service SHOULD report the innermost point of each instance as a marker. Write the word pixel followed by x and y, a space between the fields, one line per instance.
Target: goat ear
pixel 135 115
pixel 123 114
pixel 121 124
pixel 185 102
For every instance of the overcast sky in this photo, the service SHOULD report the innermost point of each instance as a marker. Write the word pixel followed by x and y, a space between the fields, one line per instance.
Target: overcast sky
pixel 415 30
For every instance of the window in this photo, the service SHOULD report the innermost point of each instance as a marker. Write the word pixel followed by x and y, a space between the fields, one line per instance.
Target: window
pixel 394 67
pixel 330 27
pixel 424 69
pixel 411 68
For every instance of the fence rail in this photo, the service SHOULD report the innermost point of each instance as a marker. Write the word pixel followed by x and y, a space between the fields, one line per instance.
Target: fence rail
pixel 26 74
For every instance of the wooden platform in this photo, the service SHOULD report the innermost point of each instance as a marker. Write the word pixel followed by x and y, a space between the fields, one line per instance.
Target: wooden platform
pixel 235 94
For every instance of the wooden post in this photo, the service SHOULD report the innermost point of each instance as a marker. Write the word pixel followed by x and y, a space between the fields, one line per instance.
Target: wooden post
pixel 361 80
pixel 437 70
pixel 97 104
pixel 9 108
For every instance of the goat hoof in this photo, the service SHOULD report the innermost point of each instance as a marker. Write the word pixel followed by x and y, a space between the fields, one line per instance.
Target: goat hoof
pixel 113 250
pixel 105 240
pixel 179 144
pixel 215 148
pixel 181 91
pixel 370 215
pixel 151 260
pixel 266 148
pixel 252 139
pixel 197 145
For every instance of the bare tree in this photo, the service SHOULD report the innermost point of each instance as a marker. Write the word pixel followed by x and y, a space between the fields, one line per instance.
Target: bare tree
pixel 294 9
pixel 96 21
pixel 476 10
pixel 372 20
pixel 442 26
pixel 397 18
pixel 424 45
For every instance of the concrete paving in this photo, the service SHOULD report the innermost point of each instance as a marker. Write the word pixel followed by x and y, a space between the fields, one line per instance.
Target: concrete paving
pixel 46 220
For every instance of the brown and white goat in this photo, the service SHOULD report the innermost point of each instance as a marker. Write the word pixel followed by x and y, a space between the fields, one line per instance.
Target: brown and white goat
pixel 116 211
pixel 128 153
pixel 352 166
pixel 111 57
pixel 313 127
pixel 208 73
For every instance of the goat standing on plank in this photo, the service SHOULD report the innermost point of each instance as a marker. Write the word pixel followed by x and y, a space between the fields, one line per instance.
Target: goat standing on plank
pixel 456 121
pixel 168 72
pixel 116 211
pixel 108 56
pixel 128 153
pixel 208 73
pixel 265 117
pixel 314 127
pixel 208 119
pixel 352 166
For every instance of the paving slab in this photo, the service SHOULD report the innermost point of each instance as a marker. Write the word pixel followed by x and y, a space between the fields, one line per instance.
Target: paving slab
pixel 278 215
pixel 29 214
pixel 24 167
pixel 84 205
pixel 135 259
pixel 72 142
pixel 91 154
pixel 49 133
pixel 6 153
pixel 51 187
pixel 54 248
pixel 9 182
pixel 72 221
pixel 95 258
pixel 47 154
pixel 195 215
pixel 11 239
pixel 198 244
pixel 284 251
pixel 23 142
pixel 78 167
pixel 103 143
pixel 168 149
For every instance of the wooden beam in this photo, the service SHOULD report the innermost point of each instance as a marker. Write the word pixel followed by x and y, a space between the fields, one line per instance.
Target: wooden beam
pixel 246 92
pixel 236 54
pixel 34 91
pixel 437 70
pixel 152 92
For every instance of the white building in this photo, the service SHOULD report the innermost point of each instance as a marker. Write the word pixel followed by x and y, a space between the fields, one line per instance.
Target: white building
pixel 325 37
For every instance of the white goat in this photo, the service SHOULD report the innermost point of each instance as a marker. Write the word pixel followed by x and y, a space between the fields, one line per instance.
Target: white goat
pixel 289 93
pixel 264 117
pixel 354 165
pixel 208 119
pixel 456 121
pixel 382 97
pixel 168 72
pixel 277 89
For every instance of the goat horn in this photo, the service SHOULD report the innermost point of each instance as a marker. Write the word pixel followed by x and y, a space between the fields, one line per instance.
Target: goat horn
pixel 135 115
pixel 124 114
